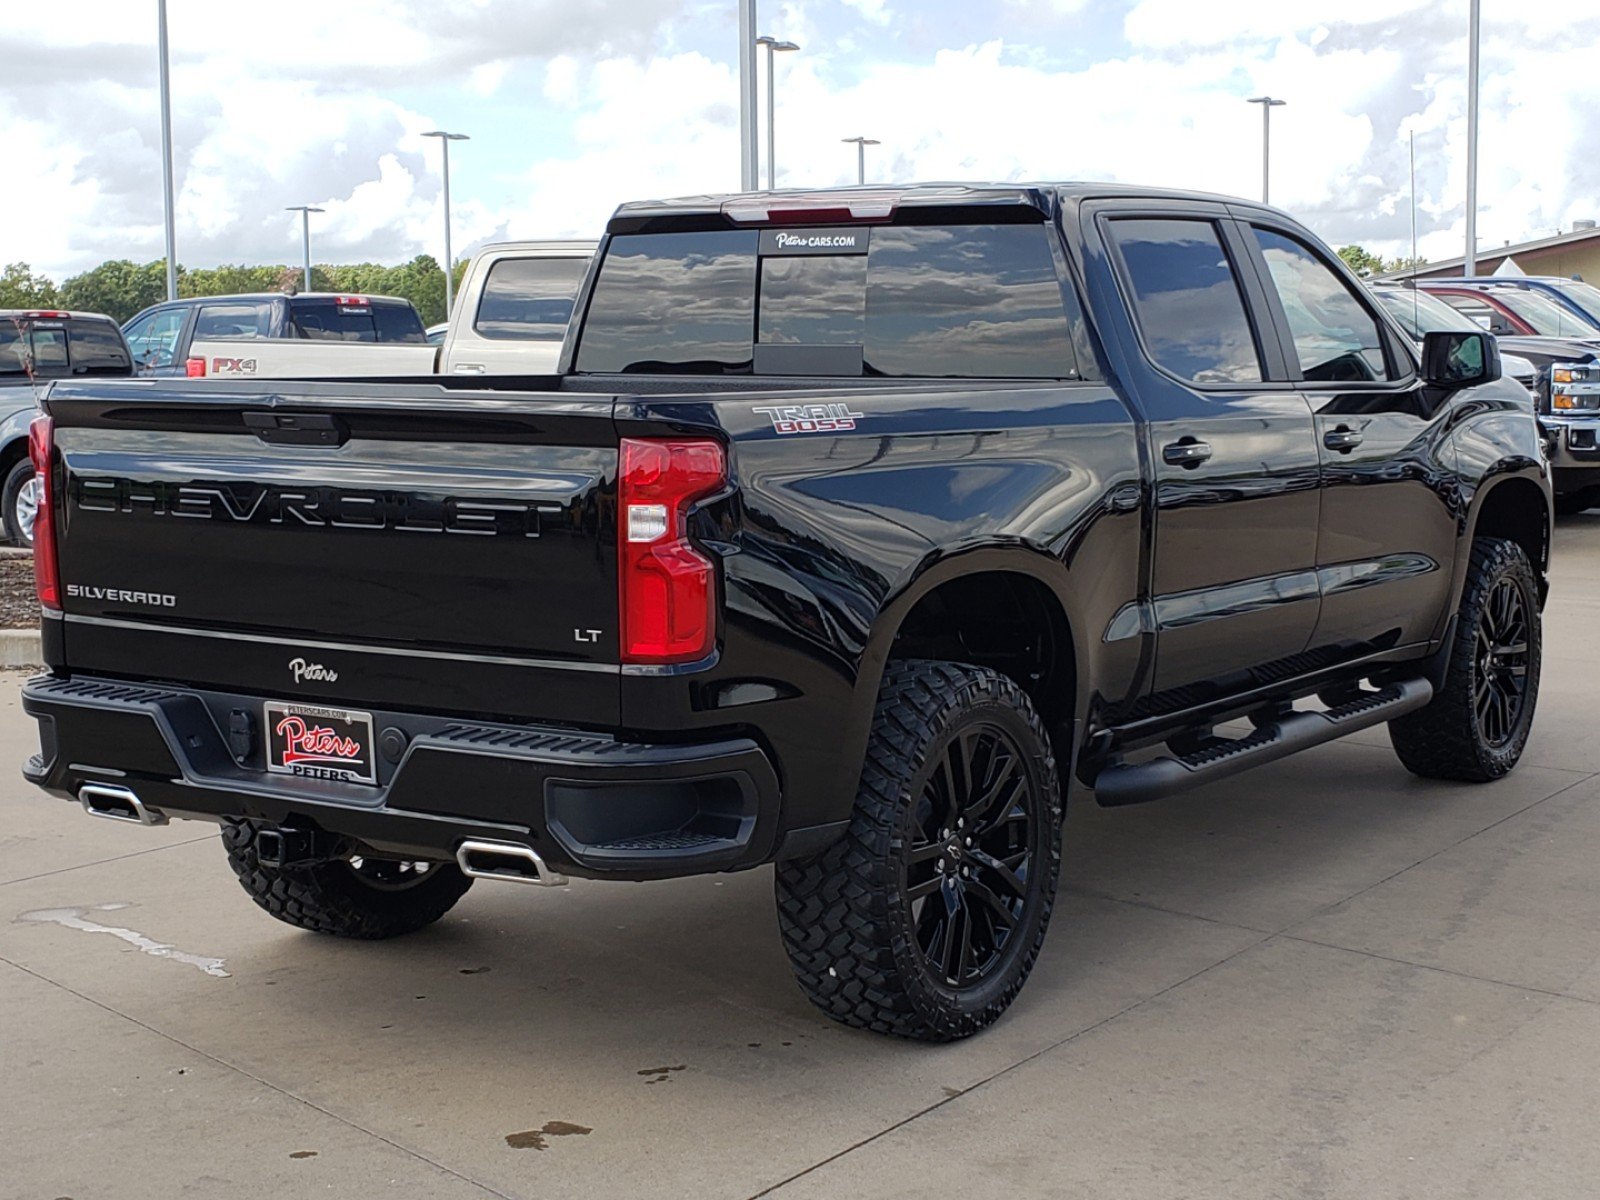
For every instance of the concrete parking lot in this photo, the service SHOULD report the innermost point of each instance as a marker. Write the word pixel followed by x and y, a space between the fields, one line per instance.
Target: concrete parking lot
pixel 1325 979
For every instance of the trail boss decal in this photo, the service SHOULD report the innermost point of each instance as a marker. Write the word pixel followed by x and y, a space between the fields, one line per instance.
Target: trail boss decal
pixel 811 418
pixel 319 743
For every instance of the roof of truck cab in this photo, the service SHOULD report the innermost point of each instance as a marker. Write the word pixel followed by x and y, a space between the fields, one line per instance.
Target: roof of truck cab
pixel 54 314
pixel 1031 195
pixel 231 296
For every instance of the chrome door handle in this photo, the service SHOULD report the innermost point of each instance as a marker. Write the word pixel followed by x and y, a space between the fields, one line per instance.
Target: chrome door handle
pixel 1188 452
pixel 1343 439
pixel 469 369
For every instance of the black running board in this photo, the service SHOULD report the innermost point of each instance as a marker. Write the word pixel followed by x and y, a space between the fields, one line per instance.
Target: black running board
pixel 1135 783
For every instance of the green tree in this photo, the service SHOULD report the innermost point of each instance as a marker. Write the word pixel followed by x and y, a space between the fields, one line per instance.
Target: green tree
pixel 118 288
pixel 1360 260
pixel 419 281
pixel 21 288
pixel 1405 263
pixel 230 280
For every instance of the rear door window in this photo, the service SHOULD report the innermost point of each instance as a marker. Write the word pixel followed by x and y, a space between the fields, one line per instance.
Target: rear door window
pixel 1186 299
pixel 529 298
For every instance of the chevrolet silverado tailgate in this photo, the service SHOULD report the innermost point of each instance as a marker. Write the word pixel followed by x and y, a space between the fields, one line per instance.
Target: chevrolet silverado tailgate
pixel 359 543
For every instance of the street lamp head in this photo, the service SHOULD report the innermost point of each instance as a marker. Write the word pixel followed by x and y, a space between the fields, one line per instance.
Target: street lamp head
pixel 304 208
pixel 782 47
pixel 449 137
pixel 1268 101
pixel 861 141
pixel 774 44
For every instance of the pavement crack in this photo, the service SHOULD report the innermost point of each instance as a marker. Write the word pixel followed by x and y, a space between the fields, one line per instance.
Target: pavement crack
pixel 1006 1070
pixel 100 862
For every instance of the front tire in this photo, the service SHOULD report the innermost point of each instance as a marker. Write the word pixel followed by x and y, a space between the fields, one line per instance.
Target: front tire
pixel 1477 725
pixel 926 918
pixel 371 899
pixel 19 497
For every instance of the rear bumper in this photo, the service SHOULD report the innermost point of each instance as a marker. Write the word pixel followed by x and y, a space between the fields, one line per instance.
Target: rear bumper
pixel 587 804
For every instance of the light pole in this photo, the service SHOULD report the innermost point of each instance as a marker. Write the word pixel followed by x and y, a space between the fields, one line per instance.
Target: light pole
pixel 774 47
pixel 305 211
pixel 449 262
pixel 1470 261
pixel 861 144
pixel 166 151
pixel 1267 105
pixel 749 172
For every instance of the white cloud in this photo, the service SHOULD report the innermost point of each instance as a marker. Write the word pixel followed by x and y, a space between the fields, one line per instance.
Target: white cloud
pixel 621 99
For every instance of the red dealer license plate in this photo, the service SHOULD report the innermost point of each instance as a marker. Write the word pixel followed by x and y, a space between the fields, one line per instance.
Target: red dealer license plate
pixel 320 743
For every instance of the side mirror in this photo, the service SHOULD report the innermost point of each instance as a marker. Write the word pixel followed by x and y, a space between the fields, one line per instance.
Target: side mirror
pixel 1454 358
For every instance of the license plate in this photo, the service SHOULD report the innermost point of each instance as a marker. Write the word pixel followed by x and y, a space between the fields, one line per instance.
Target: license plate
pixel 320 743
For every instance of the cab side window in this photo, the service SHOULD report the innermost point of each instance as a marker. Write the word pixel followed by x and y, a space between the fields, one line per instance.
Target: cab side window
pixel 1185 299
pixel 1336 338
pixel 152 338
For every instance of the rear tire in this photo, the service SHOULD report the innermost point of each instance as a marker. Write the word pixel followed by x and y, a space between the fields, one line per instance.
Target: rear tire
pixel 19 498
pixel 1477 725
pixel 374 900
pixel 926 918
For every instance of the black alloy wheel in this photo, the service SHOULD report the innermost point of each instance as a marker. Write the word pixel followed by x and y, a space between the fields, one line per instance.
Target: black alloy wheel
pixel 1502 643
pixel 966 873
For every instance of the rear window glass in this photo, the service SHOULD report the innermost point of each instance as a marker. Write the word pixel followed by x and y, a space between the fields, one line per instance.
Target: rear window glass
pixel 976 301
pixel 398 323
pixel 235 319
pixel 529 298
pixel 53 348
pixel 326 321
pixel 1186 299
pixel 673 302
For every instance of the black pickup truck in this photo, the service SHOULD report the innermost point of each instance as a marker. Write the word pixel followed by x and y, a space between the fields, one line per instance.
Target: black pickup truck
pixel 857 527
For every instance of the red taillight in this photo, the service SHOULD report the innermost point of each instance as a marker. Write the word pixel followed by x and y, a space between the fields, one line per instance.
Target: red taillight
pixel 194 368
pixel 352 301
pixel 666 587
pixel 41 449
pixel 49 314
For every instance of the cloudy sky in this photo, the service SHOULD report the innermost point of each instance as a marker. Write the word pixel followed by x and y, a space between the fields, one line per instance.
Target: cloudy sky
pixel 576 105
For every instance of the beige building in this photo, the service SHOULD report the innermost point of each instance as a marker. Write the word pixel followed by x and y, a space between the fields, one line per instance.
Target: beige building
pixel 1575 255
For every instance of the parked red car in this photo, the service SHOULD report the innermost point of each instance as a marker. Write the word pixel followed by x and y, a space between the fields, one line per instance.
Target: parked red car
pixel 1506 311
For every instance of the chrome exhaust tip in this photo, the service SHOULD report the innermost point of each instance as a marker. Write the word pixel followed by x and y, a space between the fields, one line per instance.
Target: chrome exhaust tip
pixel 507 862
pixel 118 804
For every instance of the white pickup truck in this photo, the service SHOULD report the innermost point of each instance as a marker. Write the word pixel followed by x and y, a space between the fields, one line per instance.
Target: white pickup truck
pixel 509 319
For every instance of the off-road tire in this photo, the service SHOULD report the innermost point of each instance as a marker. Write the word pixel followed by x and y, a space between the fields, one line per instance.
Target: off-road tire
pixel 1445 739
pixel 20 475
pixel 334 898
pixel 844 914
